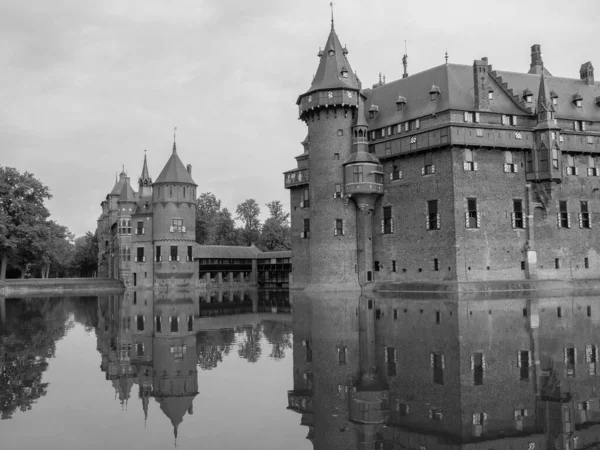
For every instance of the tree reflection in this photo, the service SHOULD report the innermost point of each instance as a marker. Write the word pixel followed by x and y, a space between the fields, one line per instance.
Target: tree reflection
pixel 249 347
pixel 28 338
pixel 212 345
pixel 279 335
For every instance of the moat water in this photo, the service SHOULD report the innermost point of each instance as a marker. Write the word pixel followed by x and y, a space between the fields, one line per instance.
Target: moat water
pixel 266 370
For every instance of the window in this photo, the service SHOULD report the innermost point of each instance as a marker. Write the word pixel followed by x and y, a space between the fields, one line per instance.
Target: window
pixel 590 140
pixel 178 351
pixel 402 408
pixel 140 227
pixel 140 321
pixel 158 254
pixel 584 216
pixel 591 357
pixel 517 214
pixel 170 191
pixel 436 414
pixel 338 191
pixel 429 167
pixel 306 229
pixel 505 120
pixel 592 169
pixel 469 163
pixel 471 116
pixel 387 224
pixel 340 132
pixel 433 217
pixel 174 324
pixel 438 365
pixel 571 168
pixel 555 158
pixel 382 132
pixel 379 178
pixel 570 361
pixel 477 367
pixel 305 203
pixel 509 164
pixel 336 156
pixel 396 173
pixel 140 255
pixel 518 135
pixel 342 355
pixel 174 256
pixel 528 98
pixel 177 226
pixel 357 174
pixel 578 125
pixel 390 361
pixel 394 270
pixel 491 95
pixel 377 267
pixel 190 322
pixel 190 256
pixel 564 221
pixel 139 349
pixel 413 125
pixel 513 120
pixel 524 362
pixel 339 227
pixel 158 324
pixel 472 216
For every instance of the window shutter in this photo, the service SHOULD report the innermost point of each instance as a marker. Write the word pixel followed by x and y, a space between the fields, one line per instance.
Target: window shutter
pixel 465 166
pixel 467 220
pixel 475 166
pixel 517 414
pixel 588 353
pixel 443 362
pixel 576 170
pixel 417 124
pixel 558 220
pixel 472 362
pixel 438 221
pixel 583 125
pixel 343 227
pixel 475 419
pixel 565 354
pixel 506 168
pixel 525 413
pixel 515 168
pixel 427 221
pixel 579 215
pixel 519 358
pixel 422 170
pixel 478 219
pixel 580 406
pixel 483 366
pixel 433 168
pixel 466 116
pixel 407 408
pixel 301 204
pixel 477 117
pixel 568 220
pixel 514 120
pixel 382 226
pixel 530 357
pixel 391 175
pixel 391 225
pixel 399 174
pixel 431 413
pixel 385 352
pixel 406 126
pixel 432 356
pixel 485 417
pixel 335 232
pixel 512 220
pixel 590 220
pixel 589 171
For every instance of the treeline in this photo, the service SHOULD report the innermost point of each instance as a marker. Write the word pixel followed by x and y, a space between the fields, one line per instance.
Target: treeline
pixel 216 225
pixel 32 245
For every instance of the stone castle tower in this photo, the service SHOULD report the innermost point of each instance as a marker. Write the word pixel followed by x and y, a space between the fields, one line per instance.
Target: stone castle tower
pixel 334 240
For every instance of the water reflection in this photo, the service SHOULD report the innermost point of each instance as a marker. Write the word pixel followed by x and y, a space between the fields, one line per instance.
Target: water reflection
pixel 422 373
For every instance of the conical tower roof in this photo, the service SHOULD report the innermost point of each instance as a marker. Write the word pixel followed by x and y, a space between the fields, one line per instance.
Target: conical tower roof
pixel 145 179
pixel 544 102
pixel 127 194
pixel 118 187
pixel 174 171
pixel 333 62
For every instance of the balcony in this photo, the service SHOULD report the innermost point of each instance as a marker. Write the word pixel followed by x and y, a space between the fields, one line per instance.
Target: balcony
pixel 296 177
pixel 300 401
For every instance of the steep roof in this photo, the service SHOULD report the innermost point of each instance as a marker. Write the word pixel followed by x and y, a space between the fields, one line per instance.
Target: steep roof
pixel 174 171
pixel 145 176
pixel 457 93
pixel 127 194
pixel 329 72
pixel 118 187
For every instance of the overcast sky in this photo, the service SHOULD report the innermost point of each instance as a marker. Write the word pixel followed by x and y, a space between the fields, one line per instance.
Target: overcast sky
pixel 86 85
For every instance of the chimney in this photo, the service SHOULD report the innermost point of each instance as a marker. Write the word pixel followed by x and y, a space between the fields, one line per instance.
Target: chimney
pixel 189 169
pixel 536 57
pixel 480 82
pixel 586 73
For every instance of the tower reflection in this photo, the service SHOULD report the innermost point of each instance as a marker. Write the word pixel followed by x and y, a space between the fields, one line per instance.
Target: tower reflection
pixel 384 372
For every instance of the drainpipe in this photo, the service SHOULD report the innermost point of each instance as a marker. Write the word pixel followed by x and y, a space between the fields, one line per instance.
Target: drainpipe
pixel 530 252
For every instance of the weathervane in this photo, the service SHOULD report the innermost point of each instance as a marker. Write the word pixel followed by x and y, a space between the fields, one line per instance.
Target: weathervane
pixel 331 5
pixel 446 56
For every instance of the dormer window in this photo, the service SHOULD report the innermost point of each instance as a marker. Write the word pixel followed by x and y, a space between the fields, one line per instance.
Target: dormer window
pixel 331 53
pixel 400 103
pixel 434 93
pixel 344 72
pixel 528 96
pixel 490 95
pixel 554 97
pixel 577 100
pixel 373 110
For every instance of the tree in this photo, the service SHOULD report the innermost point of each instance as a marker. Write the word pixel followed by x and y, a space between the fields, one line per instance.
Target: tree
pixel 207 209
pixel 248 213
pixel 85 258
pixel 22 212
pixel 275 233
pixel 225 232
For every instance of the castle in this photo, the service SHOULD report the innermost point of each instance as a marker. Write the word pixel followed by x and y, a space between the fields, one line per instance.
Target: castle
pixel 158 223
pixel 458 173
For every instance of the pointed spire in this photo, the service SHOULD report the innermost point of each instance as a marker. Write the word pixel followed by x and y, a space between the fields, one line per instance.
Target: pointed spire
pixel 405 61
pixel 174 140
pixel 544 103
pixel 145 179
pixel 331 4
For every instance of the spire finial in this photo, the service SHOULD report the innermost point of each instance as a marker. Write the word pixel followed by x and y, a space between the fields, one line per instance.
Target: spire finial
pixel 405 61
pixel 446 56
pixel 174 139
pixel 331 5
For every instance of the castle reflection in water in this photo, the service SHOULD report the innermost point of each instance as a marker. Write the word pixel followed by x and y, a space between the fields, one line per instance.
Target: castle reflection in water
pixel 447 372
pixel 381 372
